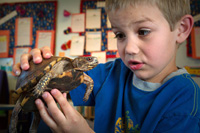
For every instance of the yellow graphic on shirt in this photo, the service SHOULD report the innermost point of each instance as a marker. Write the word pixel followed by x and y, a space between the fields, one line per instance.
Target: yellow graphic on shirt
pixel 123 125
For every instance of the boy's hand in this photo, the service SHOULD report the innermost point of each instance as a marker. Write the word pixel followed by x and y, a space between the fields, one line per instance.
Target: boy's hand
pixel 36 54
pixel 67 120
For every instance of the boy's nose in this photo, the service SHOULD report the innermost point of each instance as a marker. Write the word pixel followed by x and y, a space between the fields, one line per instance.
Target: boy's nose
pixel 131 47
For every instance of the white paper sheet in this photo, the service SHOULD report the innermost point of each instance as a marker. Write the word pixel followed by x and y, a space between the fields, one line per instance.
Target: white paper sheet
pixel 44 39
pixel 78 22
pixel 77 45
pixel 108 23
pixel 93 41
pixel 101 4
pixel 24 31
pixel 197 41
pixel 19 52
pixel 112 41
pixel 3 44
pixel 101 56
pixel 93 18
pixel 8 17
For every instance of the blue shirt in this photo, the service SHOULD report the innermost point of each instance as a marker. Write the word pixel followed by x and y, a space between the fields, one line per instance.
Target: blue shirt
pixel 120 106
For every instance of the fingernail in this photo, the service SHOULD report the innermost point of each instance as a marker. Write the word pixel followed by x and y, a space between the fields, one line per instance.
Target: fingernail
pixel 37 59
pixel 53 91
pixel 37 101
pixel 44 95
pixel 25 66
pixel 17 73
pixel 48 55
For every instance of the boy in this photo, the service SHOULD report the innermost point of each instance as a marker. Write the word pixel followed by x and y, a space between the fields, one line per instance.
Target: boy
pixel 144 91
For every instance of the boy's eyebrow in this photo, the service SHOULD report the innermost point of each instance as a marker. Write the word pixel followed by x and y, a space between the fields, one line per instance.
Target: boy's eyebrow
pixel 138 21
pixel 142 20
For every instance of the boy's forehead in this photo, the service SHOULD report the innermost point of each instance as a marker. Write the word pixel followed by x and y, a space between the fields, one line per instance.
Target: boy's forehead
pixel 113 5
pixel 138 15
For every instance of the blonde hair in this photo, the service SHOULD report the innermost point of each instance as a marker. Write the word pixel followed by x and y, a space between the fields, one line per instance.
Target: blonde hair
pixel 172 10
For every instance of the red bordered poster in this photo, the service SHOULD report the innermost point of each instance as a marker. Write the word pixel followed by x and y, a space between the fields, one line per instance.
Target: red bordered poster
pixel 195 38
pixel 18 52
pixel 45 38
pixel 4 43
pixel 23 31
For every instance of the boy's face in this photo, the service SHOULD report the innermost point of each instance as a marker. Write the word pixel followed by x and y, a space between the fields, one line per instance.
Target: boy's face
pixel 144 40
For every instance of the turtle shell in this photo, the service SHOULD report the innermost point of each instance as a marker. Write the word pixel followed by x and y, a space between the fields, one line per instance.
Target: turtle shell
pixel 28 79
pixel 71 76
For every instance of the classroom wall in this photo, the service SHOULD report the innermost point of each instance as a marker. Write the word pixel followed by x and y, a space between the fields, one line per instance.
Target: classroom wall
pixel 73 6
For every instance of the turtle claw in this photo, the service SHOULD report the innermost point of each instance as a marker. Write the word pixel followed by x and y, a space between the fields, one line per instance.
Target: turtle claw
pixel 85 99
pixel 37 93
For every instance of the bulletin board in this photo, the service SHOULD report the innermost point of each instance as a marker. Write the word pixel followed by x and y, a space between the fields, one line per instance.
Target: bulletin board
pixel 195 10
pixel 92 4
pixel 43 16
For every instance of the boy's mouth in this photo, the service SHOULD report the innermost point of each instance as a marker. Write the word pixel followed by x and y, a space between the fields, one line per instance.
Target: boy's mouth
pixel 135 65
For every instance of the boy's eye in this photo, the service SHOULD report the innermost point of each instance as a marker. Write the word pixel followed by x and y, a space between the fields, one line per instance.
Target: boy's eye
pixel 119 35
pixel 143 32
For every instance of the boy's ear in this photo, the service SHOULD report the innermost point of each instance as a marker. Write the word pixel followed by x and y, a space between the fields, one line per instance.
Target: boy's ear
pixel 185 27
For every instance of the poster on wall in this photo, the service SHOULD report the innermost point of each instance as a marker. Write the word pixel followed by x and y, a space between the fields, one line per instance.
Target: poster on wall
pixel 93 18
pixel 18 52
pixel 4 43
pixel 101 56
pixel 45 38
pixel 195 42
pixel 23 31
pixel 23 19
pixel 77 45
pixel 78 22
pixel 112 41
pixel 93 41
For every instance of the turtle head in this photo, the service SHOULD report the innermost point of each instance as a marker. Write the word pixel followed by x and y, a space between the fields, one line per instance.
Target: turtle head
pixel 85 63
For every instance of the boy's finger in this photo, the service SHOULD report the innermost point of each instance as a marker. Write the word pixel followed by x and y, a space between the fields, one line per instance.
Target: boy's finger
pixel 44 114
pixel 46 52
pixel 55 112
pixel 24 61
pixel 16 69
pixel 62 101
pixel 37 57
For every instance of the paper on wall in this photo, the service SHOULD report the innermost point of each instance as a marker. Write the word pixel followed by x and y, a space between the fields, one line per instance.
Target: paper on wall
pixel 18 52
pixel 108 23
pixel 93 41
pixel 197 41
pixel 44 39
pixel 101 56
pixel 101 4
pixel 8 17
pixel 112 41
pixel 77 45
pixel 24 31
pixel 93 18
pixel 78 22
pixel 3 44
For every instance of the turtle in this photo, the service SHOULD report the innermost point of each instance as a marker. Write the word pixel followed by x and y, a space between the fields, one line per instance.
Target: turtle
pixel 62 73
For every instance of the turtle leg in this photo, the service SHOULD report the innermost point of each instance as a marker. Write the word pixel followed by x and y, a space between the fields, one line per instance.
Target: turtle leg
pixel 44 81
pixel 90 84
pixel 14 118
pixel 41 86
pixel 35 122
